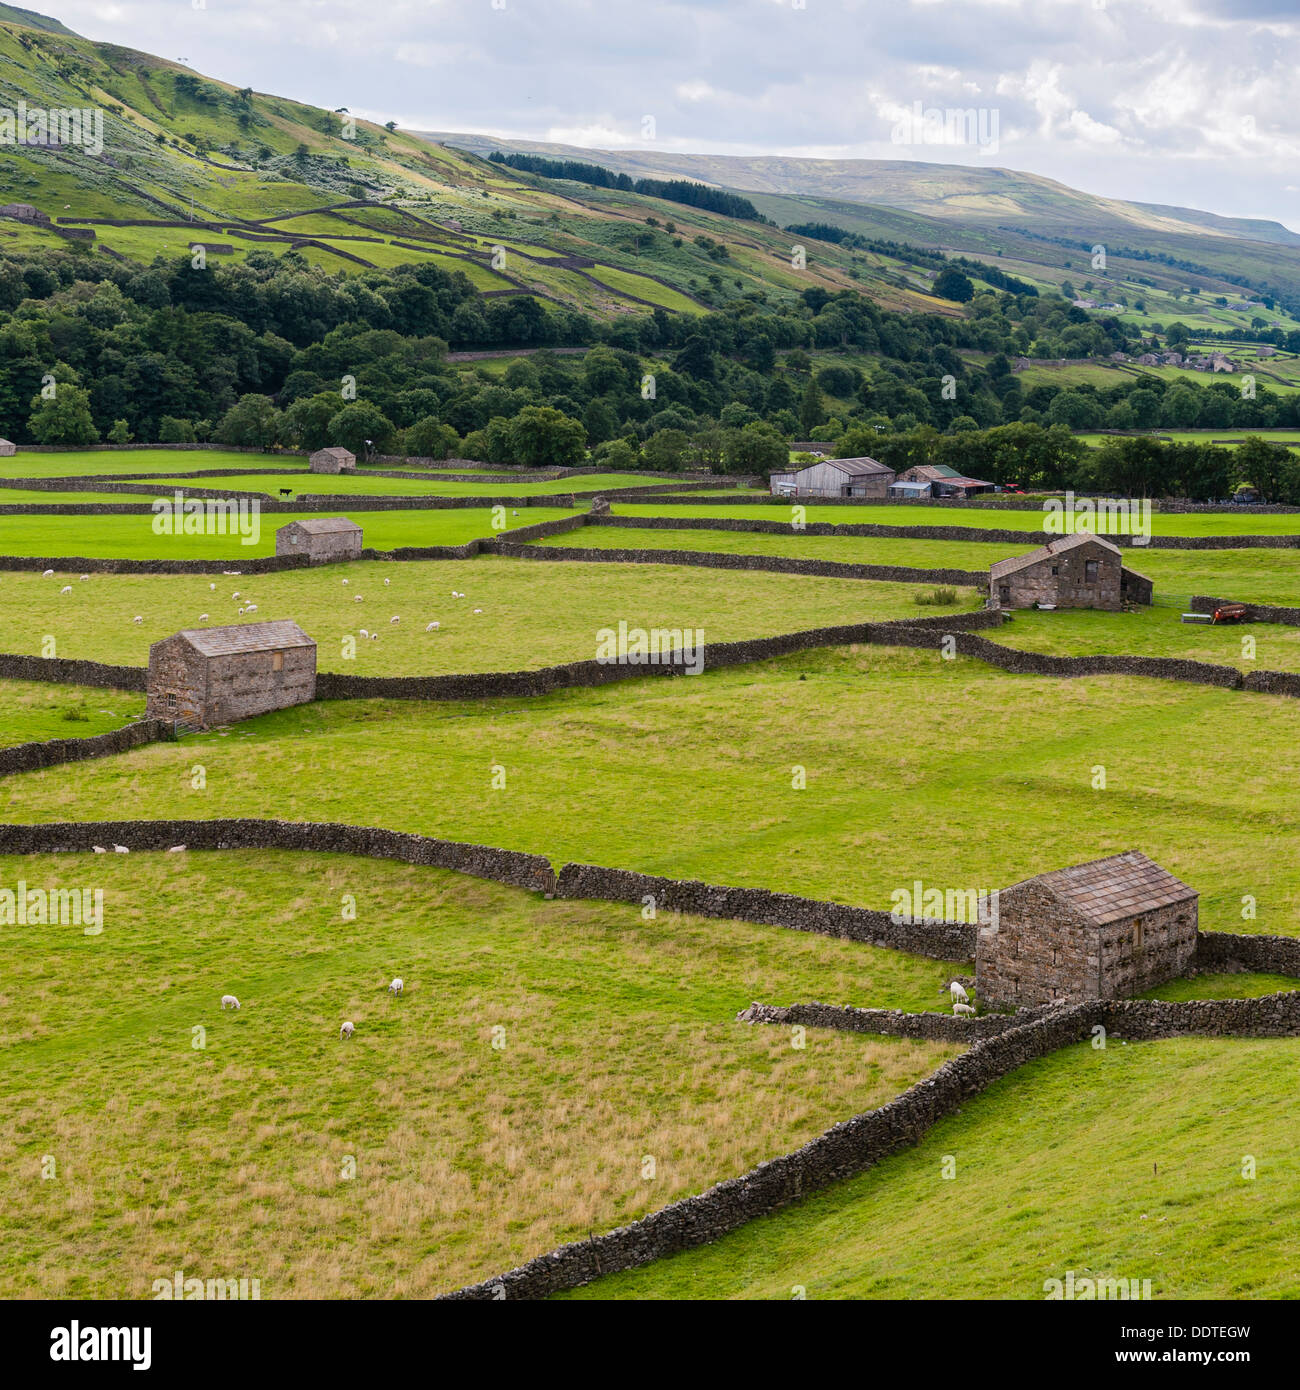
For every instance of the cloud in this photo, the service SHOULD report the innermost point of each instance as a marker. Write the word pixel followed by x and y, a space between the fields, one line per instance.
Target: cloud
pixel 1134 98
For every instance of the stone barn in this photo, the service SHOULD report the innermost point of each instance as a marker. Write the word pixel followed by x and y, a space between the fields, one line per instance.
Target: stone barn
pixel 332 461
pixel 324 540
pixel 216 675
pixel 25 212
pixel 860 477
pixel 1108 929
pixel 1068 572
pixel 7 448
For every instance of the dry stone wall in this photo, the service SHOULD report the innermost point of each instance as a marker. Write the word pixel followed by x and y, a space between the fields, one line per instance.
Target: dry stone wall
pixel 28 757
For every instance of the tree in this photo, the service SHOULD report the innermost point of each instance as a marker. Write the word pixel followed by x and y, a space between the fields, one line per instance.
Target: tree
pixel 361 426
pixel 666 450
pixel 63 418
pixel 430 438
pixel 755 449
pixel 252 422
pixel 812 409
pixel 541 437
pixel 120 433
pixel 172 430
pixel 950 283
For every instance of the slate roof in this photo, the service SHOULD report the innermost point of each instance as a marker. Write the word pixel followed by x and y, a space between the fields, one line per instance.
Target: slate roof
pixel 324 525
pixel 1124 885
pixel 335 452
pixel 246 637
pixel 1056 546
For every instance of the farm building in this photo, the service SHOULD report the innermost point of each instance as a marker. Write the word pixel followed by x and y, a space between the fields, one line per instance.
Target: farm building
pixel 7 448
pixel 1108 929
pixel 860 477
pixel 323 540
pixel 1081 571
pixel 215 675
pixel 332 461
pixel 908 492
pixel 944 481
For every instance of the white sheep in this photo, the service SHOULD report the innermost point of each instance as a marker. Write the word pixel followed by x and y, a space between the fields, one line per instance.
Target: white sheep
pixel 432 627
pixel 212 586
pixel 960 1008
pixel 83 577
pixel 175 849
pixel 374 637
pixel 347 1031
pixel 67 589
pixel 137 619
pixel 345 581
pixel 228 1001
pixel 478 610
pixel 203 617
pixel 392 622
pixel 235 594
pixel 252 608
pixel 356 598
pixel 364 633
pixel 47 574
pixel 241 610
pixel 388 581
pixel 99 849
pixel 120 849
pixel 396 987
pixel 958 993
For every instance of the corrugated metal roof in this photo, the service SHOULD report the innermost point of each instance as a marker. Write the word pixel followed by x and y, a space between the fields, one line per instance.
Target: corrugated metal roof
pixel 853 468
pixel 1124 885
pixel 246 637
pixel 324 525
pixel 1056 546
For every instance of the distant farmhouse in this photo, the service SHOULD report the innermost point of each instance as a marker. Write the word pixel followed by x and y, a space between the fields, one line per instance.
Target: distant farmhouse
pixel 938 480
pixel 332 461
pixel 206 676
pixel 324 540
pixel 7 448
pixel 1080 571
pixel 1108 929
pixel 859 477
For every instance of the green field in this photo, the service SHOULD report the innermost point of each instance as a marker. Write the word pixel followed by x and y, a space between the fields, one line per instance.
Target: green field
pixel 133 536
pixel 1122 1163
pixel 494 627
pixel 695 777
pixel 35 712
pixel 230 1158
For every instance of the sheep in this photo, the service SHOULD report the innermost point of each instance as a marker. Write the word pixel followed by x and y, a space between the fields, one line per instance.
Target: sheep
pixel 396 987
pixel 347 1031
pixel 393 621
pixel 478 610
pixel 957 992
pixel 959 1008
pixel 364 633
pixel 137 620
pixel 235 594
pixel 432 627
pixel 241 610
pixel 83 577
pixel 252 608
pixel 67 589
pixel 47 574
pixel 374 637
pixel 175 849
pixel 120 849
pixel 356 598
pixel 388 581
pixel 99 849
pixel 212 586
pixel 228 1001
pixel 203 617
pixel 345 581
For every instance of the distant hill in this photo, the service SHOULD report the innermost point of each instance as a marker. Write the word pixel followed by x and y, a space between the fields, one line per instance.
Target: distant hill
pixel 11 14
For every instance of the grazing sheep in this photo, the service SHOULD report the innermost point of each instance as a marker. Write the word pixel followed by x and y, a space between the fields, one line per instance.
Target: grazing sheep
pixel 212 586
pixel 203 617
pixel 396 987
pixel 356 598
pixel 47 574
pixel 83 576
pixel 957 992
pixel 374 637
pixel 388 581
pixel 120 849
pixel 478 610
pixel 347 1031
pixel 228 1001
pixel 252 608
pixel 364 633
pixel 137 619
pixel 235 594
pixel 960 1008
pixel 241 609
pixel 431 627
pixel 345 581
pixel 67 589
pixel 394 621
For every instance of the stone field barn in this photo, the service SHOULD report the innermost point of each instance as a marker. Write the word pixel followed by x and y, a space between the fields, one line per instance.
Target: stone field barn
pixel 323 539
pixel 860 477
pixel 1068 572
pixel 216 675
pixel 1108 929
pixel 332 461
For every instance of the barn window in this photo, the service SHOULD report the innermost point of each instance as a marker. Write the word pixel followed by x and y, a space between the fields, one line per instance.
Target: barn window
pixel 277 661
pixel 1137 933
pixel 171 701
pixel 1056 569
pixel 1090 571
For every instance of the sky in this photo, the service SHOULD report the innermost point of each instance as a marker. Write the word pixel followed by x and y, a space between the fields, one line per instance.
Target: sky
pixel 1181 102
